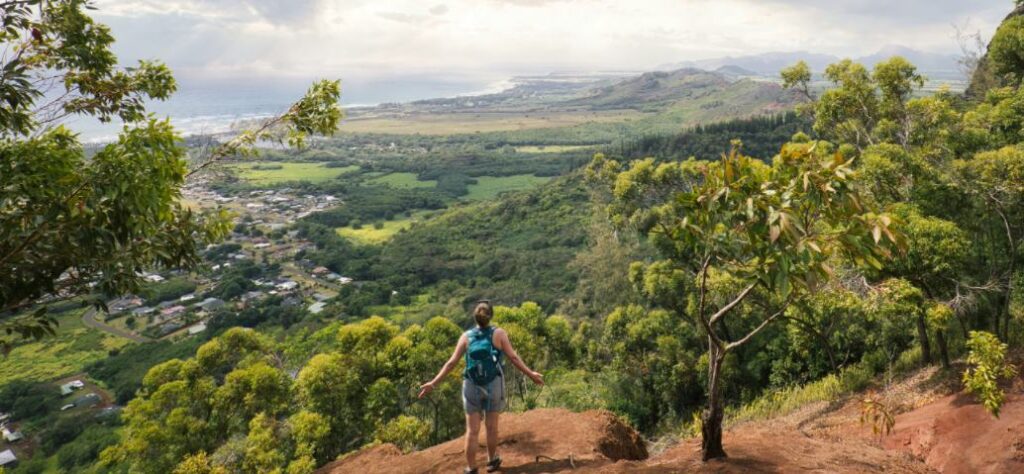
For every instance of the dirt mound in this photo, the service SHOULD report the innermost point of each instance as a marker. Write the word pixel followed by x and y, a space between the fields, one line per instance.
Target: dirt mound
pixel 956 434
pixel 546 440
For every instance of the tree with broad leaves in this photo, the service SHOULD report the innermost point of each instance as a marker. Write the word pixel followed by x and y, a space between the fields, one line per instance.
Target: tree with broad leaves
pixel 995 179
pixel 750 239
pixel 73 223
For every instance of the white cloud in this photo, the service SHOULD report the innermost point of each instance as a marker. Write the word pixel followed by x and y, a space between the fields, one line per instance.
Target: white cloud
pixel 362 38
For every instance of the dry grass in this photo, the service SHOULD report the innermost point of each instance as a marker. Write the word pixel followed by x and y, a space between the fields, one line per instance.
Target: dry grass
pixel 447 124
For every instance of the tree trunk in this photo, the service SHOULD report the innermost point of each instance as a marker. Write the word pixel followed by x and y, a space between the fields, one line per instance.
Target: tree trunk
pixel 1011 274
pixel 922 335
pixel 652 402
pixel 711 423
pixel 1007 303
pixel 437 422
pixel 940 340
pixel 999 317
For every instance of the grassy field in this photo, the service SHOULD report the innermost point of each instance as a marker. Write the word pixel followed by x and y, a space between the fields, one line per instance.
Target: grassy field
pixel 312 172
pixel 551 148
pixel 447 124
pixel 74 347
pixel 402 180
pixel 368 235
pixel 488 187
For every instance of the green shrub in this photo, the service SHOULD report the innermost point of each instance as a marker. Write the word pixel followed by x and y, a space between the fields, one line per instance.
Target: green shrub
pixel 84 450
pixel 987 366
pixel 406 432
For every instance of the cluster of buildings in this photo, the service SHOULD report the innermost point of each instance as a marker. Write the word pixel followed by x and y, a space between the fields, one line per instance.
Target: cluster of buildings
pixel 274 208
pixel 167 316
pixel 269 210
pixel 326 274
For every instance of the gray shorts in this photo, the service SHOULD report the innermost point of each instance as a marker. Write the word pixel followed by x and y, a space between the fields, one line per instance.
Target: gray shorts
pixel 476 399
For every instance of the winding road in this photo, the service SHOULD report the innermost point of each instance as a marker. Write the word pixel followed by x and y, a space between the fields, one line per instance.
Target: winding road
pixel 89 319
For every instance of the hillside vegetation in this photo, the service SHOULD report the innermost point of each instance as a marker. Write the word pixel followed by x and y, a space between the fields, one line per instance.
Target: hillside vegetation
pixel 655 101
pixel 722 266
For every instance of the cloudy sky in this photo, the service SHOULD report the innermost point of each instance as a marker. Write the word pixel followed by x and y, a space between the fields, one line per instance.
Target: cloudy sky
pixel 400 38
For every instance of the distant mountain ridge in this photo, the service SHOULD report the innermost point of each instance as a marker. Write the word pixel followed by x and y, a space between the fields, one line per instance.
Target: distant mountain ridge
pixel 659 87
pixel 769 64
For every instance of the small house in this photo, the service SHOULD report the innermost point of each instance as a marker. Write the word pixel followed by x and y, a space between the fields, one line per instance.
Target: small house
pixel 170 327
pixel 172 311
pixel 251 295
pixel 120 305
pixel 87 400
pixel 287 285
pixel 212 304
pixel 68 388
pixel 11 435
pixel 7 459
pixel 317 308
pixel 156 278
pixel 196 329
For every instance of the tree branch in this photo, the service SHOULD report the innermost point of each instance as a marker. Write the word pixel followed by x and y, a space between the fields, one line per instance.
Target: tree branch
pixel 4 5
pixel 732 304
pixel 764 324
pixel 234 144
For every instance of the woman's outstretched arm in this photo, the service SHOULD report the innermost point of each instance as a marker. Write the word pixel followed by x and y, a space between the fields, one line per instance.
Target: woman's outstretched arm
pixel 506 346
pixel 460 349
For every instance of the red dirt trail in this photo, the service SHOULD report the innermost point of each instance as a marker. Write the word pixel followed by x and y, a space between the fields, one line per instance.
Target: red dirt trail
pixel 935 432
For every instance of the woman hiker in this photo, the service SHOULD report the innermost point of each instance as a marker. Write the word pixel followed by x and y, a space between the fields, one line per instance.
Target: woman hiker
pixel 483 384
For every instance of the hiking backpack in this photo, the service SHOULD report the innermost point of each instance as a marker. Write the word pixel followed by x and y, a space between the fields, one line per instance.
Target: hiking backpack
pixel 483 360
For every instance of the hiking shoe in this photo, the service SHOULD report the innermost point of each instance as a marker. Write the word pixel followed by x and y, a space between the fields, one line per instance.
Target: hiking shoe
pixel 470 471
pixel 494 464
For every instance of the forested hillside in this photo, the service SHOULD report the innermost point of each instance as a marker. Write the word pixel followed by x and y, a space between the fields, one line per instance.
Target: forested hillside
pixel 686 251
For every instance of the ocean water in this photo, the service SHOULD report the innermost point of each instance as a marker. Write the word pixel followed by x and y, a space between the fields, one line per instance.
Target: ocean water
pixel 210 106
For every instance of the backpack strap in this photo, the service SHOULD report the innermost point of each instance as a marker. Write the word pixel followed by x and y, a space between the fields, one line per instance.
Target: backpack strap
pixel 495 352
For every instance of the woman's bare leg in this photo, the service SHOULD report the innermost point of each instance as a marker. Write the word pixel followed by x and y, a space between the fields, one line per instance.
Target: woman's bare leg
pixel 472 438
pixel 492 434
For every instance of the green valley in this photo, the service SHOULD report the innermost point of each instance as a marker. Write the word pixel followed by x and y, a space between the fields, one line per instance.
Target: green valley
pixel 711 268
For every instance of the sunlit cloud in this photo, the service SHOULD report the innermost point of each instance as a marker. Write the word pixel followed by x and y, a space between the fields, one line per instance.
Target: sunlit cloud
pixel 302 38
